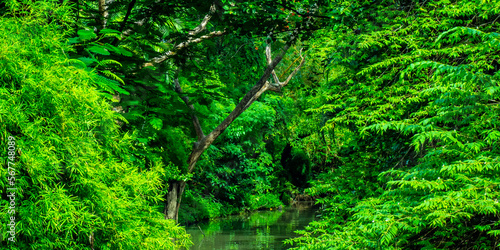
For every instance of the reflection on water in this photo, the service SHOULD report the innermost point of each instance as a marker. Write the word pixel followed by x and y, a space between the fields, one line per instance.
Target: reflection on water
pixel 259 230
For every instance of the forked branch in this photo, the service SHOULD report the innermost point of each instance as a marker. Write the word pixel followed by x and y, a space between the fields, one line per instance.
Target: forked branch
pixel 185 44
pixel 278 85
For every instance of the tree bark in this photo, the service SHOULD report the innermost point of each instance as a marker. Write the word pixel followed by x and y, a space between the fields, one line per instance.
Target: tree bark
pixel 103 11
pixel 173 200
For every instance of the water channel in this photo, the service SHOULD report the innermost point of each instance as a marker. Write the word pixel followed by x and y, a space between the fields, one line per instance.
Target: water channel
pixel 259 230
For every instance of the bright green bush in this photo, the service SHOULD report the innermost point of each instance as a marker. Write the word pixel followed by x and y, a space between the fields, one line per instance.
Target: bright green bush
pixel 76 185
pixel 414 106
pixel 260 201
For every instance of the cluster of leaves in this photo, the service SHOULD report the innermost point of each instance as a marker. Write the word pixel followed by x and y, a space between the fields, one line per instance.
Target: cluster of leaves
pixel 413 99
pixel 241 165
pixel 199 207
pixel 118 46
pixel 107 81
pixel 76 184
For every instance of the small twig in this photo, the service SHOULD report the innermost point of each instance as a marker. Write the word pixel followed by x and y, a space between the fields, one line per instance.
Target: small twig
pixel 286 70
pixel 201 231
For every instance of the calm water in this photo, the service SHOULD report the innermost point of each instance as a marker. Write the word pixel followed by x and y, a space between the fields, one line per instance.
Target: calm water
pixel 259 230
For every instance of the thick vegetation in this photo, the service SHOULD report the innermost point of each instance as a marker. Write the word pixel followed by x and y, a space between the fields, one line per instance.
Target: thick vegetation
pixel 413 97
pixel 130 116
pixel 76 186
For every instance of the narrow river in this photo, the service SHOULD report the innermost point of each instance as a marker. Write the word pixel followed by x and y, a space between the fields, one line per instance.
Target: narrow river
pixel 259 230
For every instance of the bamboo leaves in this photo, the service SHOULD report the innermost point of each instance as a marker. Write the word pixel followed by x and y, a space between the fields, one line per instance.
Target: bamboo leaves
pixel 77 177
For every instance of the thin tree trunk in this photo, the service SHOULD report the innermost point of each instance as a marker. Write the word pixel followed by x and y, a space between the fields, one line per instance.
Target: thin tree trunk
pixel 174 196
pixel 103 11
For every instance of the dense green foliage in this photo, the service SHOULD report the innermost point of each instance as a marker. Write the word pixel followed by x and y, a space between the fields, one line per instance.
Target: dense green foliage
pixel 392 124
pixel 412 99
pixel 75 182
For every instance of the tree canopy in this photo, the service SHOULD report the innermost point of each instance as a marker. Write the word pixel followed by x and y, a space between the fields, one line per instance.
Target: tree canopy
pixel 130 117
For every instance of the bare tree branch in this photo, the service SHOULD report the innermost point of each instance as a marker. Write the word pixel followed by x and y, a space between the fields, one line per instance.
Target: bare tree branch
pixel 278 85
pixel 194 118
pixel 183 45
pixel 191 39
pixel 269 60
pixel 204 22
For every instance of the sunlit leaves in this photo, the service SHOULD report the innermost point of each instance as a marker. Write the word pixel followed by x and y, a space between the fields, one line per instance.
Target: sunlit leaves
pixel 156 123
pixel 85 35
pixel 77 175
pixel 433 88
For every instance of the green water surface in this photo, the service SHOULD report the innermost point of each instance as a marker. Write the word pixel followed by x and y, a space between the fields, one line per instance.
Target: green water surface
pixel 259 230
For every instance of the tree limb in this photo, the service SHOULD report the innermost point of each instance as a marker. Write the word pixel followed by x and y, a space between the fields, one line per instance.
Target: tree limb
pixel 255 92
pixel 183 45
pixel 194 118
pixel 278 85
pixel 201 27
pixel 204 22
pixel 127 15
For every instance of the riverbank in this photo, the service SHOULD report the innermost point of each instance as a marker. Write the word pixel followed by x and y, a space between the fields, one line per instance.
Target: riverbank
pixel 197 208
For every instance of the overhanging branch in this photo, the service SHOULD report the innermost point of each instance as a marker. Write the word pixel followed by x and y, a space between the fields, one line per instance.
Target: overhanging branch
pixel 183 45
pixel 191 39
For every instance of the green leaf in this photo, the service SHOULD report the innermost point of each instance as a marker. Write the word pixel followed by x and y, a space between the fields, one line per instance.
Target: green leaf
pixel 74 40
pixel 124 51
pixel 87 61
pixel 112 76
pixel 107 62
pixel 78 62
pixel 99 50
pixel 86 35
pixel 156 123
